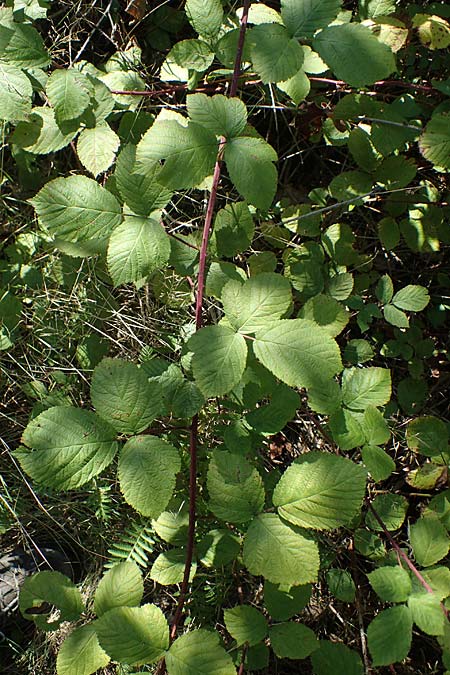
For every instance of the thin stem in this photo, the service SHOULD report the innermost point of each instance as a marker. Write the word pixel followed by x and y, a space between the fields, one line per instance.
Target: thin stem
pixel 402 554
pixel 198 324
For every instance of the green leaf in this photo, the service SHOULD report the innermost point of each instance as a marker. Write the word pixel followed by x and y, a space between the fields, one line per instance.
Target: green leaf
pixel 218 548
pixel 70 446
pixel 411 298
pixel 429 540
pixel 141 191
pixel 292 640
pixel 427 435
pixel 384 289
pixel 168 568
pixel 391 584
pixel 341 47
pixel 192 54
pixel 298 352
pixel 320 491
pixel 137 247
pixel 25 48
pixel 389 233
pixel 199 653
pixel 172 527
pixel 147 471
pixel 235 488
pixel 133 635
pixel 362 387
pixel 341 584
pixel 358 351
pixel 219 359
pixel 326 312
pixel 189 153
pixel 391 509
pixel 325 398
pixel 275 55
pixel 246 624
pixel 296 87
pixel 303 18
pixel 374 426
pixel 369 9
pixel 273 417
pixel 249 164
pixel 389 635
pixel 346 429
pixel 395 317
pixel 334 658
pixel 15 93
pixel 55 589
pixel 77 208
pixel 181 398
pixel 122 394
pixel 219 274
pixel 379 464
pixel 223 116
pixel 41 135
pixel 122 585
pixel 205 16
pixel 350 184
pixel 427 613
pixel 250 306
pixel 97 147
pixel 233 230
pixel 80 653
pixel 434 143
pixel 69 92
pixel 280 552
pixel 282 603
pixel 395 172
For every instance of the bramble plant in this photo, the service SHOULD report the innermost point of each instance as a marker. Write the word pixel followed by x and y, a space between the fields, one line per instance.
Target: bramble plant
pixel 291 314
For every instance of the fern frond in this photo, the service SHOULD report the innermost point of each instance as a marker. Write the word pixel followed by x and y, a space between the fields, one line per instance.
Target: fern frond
pixel 136 544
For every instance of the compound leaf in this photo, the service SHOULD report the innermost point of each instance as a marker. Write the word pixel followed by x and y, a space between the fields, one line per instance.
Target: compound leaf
pixel 205 16
pixel 320 491
pixel 97 147
pixel 199 653
pixel 391 584
pixel 69 92
pixel 429 540
pixel 137 247
pixel 223 116
pixel 246 624
pixel 122 585
pixel 303 17
pixel 70 446
pixel 342 46
pixel 77 208
pixel 133 635
pixel 298 352
pixel 80 653
pixel 434 142
pixel 219 359
pixel 54 589
pixel 250 166
pixel 189 153
pixel 122 394
pixel 275 55
pixel 362 387
pixel 147 470
pixel 280 552
pixel 389 635
pixel 292 640
pixel 235 488
pixel 250 306
pixel 15 93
